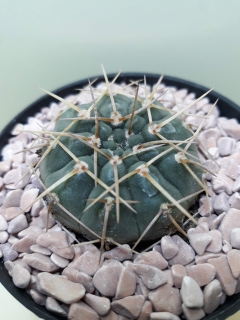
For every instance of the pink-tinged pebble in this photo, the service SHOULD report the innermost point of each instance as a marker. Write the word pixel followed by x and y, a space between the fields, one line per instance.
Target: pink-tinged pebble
pixel 126 284
pixel 234 200
pixel 202 273
pixel 32 232
pixel 81 311
pixel 146 311
pixel 12 199
pixel 100 304
pixel 3 236
pixel 206 256
pixel 106 278
pixel 59 261
pixel 169 247
pixel 166 298
pixel 53 239
pixel 24 244
pixel 199 242
pixel 220 203
pixel 39 249
pixel 214 220
pixel 88 262
pixel 226 246
pixel 222 183
pixel 231 127
pixel 9 255
pixel 27 199
pixel 11 213
pixel 191 293
pixel 47 219
pixel 129 307
pixel 53 306
pixel 59 288
pixel 238 286
pixel 169 277
pixel 185 254
pixel 17 224
pixel 119 253
pixel 236 185
pixel 23 176
pixel 193 314
pixel 110 316
pixel 78 251
pixel 233 258
pixel 213 153
pixel 211 143
pixel 141 289
pixel 232 170
pixel 70 273
pixel 224 274
pixel 38 297
pixel 10 177
pixel 40 262
pixel 215 245
pixel 229 222
pixel 206 206
pixel 153 258
pixel 178 273
pixel 226 146
pixel 12 239
pixel 67 253
pixel 37 207
pixel 151 276
pixel 5 166
pixel 21 276
pixel 211 166
pixel 86 281
pixel 3 223
pixel 212 296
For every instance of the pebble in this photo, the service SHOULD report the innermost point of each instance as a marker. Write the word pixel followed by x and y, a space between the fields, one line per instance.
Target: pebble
pixel 40 262
pixel 226 146
pixel 220 203
pixel 233 258
pixel 59 288
pixel 234 200
pixel 163 316
pixel 33 232
pixel 129 307
pixel 226 247
pixel 222 183
pixel 232 170
pixel 235 238
pixel 55 239
pixel 201 273
pixel 12 199
pixel 193 314
pixel 100 304
pixel 37 207
pixel 214 220
pixel 215 245
pixel 119 253
pixel 24 244
pixel 11 213
pixel 169 247
pixel 86 281
pixel 151 276
pixel 3 223
pixel 21 276
pixel 166 298
pixel 5 166
pixel 229 222
pixel 206 206
pixel 146 311
pixel 3 236
pixel 178 273
pixel 47 219
pixel 199 242
pixel 236 185
pixel 191 293
pixel 18 224
pixel 28 198
pixel 38 297
pixel 153 258
pixel 212 296
pixel 39 249
pixel 59 261
pixel 224 274
pixel 53 306
pixel 9 254
pixel 88 262
pixel 106 278
pixel 126 284
pixel 111 316
pixel 185 254
pixel 81 311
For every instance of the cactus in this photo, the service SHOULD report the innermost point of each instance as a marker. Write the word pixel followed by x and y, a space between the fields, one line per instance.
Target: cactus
pixel 122 167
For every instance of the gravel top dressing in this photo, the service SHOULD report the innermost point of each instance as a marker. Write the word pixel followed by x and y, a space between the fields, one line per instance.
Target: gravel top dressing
pixel 182 275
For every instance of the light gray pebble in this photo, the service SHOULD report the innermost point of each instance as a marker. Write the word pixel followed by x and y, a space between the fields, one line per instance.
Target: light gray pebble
pixel 3 223
pixel 220 203
pixel 212 293
pixel 3 236
pixel 163 316
pixel 169 247
pixel 53 306
pixel 234 200
pixel 18 224
pixel 191 293
pixel 235 238
pixel 59 261
pixel 193 314
pixel 38 297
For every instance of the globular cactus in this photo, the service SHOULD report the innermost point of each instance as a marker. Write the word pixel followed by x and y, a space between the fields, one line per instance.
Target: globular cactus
pixel 121 167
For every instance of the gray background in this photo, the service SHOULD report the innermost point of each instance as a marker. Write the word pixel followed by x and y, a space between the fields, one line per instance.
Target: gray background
pixel 50 43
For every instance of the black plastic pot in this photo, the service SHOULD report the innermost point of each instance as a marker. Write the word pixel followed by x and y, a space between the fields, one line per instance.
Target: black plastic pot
pixel 227 108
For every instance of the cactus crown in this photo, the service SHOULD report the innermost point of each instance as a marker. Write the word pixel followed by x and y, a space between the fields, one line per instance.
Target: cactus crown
pixel 121 168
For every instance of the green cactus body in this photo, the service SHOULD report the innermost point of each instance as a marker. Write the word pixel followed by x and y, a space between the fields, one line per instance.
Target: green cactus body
pixel 115 146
